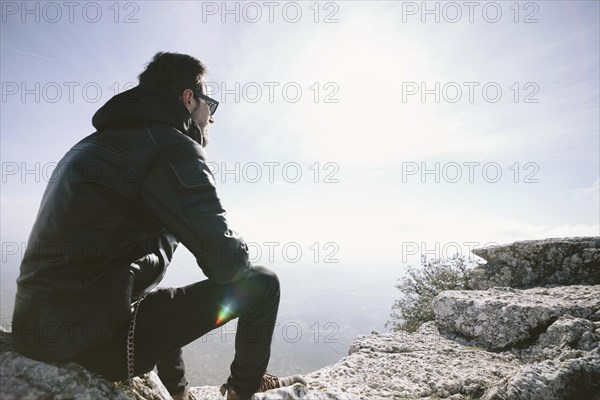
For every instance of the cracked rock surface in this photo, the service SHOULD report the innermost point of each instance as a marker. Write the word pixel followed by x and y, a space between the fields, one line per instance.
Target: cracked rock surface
pixel 423 364
pixel 501 317
pixel 24 378
pixel 529 263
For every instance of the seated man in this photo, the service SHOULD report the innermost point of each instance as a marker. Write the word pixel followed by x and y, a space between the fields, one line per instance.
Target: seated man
pixel 114 211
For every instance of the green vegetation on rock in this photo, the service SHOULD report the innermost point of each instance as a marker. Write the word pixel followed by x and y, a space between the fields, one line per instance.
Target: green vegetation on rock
pixel 421 285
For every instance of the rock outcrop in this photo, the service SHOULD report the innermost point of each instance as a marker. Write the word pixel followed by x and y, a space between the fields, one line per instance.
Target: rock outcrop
pixel 24 378
pixel 553 332
pixel 530 263
pixel 536 340
pixel 564 363
pixel 501 318
pixel 418 365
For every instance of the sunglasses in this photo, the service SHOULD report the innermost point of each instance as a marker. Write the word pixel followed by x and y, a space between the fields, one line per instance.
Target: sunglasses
pixel 212 103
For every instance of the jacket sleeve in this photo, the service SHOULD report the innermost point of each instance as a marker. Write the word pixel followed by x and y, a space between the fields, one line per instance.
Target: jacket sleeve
pixel 179 190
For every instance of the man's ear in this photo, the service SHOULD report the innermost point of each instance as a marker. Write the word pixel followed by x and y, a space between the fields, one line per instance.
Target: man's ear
pixel 186 98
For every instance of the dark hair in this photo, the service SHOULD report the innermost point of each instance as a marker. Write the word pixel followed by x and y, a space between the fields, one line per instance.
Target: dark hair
pixel 173 72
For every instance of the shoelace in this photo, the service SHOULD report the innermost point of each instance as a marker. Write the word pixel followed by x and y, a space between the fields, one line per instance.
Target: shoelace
pixel 268 382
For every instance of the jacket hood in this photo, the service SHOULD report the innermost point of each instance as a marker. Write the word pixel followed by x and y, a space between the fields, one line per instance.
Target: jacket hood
pixel 143 105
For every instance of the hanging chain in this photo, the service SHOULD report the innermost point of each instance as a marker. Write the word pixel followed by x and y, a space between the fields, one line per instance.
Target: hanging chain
pixel 130 341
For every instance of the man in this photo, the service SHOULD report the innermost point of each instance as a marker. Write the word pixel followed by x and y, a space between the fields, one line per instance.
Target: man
pixel 115 209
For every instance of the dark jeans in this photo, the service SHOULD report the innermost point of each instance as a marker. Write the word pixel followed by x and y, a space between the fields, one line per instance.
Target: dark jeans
pixel 169 319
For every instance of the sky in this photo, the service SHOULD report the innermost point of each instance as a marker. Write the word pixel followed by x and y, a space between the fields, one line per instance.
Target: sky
pixel 408 122
pixel 351 137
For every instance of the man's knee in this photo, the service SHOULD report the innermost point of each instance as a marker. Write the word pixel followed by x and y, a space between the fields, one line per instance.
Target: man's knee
pixel 267 278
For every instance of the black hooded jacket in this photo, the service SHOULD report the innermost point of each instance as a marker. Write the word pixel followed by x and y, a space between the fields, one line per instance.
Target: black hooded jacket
pixel 115 209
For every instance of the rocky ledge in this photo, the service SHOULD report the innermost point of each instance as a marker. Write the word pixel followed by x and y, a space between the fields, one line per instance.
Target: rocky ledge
pixel 530 263
pixel 495 344
pixel 23 378
pixel 502 318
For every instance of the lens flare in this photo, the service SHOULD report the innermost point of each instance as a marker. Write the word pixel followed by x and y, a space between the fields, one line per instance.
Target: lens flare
pixel 223 314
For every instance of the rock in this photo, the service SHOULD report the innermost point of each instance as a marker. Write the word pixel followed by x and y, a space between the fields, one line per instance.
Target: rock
pixel 502 317
pixel 552 379
pixel 549 330
pixel 24 378
pixel 566 261
pixel 145 387
pixel 411 365
pixel 567 332
pixel 295 392
pixel 564 363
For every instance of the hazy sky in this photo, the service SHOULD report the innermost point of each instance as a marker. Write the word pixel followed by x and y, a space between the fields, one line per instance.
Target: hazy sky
pixel 368 128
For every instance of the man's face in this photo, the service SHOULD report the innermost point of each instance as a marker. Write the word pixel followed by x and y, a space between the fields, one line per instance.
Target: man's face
pixel 201 115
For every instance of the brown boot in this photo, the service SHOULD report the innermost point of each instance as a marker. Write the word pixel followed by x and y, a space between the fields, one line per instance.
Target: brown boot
pixel 268 382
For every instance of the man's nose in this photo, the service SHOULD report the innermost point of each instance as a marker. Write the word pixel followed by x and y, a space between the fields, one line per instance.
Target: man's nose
pixel 211 119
